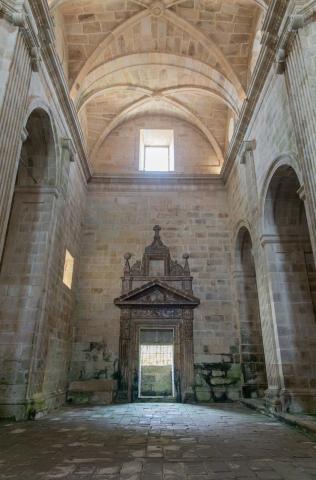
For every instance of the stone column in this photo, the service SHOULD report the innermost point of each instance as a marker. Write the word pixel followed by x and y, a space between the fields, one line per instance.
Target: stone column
pixel 269 333
pixel 293 323
pixel 12 116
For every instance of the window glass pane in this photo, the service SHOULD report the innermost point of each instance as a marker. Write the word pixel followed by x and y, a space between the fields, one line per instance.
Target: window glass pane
pixel 68 269
pixel 157 159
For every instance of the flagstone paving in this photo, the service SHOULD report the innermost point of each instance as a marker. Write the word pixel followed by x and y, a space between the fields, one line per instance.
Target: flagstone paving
pixel 155 442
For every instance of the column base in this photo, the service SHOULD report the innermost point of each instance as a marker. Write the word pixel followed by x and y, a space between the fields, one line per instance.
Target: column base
pixel 290 401
pixel 188 397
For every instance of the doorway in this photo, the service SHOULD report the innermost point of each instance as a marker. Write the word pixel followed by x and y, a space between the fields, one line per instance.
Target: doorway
pixel 156 363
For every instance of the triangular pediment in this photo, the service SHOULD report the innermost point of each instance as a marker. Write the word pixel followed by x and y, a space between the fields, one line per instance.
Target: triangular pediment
pixel 157 293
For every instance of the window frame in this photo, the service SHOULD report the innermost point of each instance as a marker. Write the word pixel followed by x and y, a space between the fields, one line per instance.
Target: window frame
pixel 143 145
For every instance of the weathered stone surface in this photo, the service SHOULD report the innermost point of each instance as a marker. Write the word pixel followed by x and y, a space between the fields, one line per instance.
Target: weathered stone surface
pixel 250 228
pixel 156 442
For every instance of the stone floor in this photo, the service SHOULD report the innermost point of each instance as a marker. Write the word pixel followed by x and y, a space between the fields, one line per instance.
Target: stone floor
pixel 153 442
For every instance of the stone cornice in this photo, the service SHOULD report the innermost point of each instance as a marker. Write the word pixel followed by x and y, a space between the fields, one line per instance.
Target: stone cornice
pixel 271 239
pixel 155 179
pixel 270 40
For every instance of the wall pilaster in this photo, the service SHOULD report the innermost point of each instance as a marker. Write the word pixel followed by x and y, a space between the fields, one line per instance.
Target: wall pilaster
pixel 12 113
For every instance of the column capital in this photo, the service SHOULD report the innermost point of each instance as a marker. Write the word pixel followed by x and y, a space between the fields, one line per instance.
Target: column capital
pixel 18 19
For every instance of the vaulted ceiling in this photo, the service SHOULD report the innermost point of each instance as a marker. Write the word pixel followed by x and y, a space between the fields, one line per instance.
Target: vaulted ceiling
pixel 189 59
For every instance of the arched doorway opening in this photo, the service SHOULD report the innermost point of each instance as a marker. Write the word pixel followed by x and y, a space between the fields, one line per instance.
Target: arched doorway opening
pixel 251 345
pixel 291 271
pixel 24 263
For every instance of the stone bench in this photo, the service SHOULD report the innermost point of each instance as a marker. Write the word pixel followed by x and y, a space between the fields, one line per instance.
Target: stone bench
pixel 94 392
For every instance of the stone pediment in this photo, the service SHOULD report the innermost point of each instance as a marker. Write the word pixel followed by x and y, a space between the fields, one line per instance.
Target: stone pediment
pixel 157 293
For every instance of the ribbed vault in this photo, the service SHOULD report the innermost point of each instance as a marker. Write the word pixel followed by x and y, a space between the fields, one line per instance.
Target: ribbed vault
pixel 187 59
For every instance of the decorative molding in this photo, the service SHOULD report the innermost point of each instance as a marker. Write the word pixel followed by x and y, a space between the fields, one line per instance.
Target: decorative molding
pixel 295 22
pixel 7 11
pixel 157 9
pixel 161 179
pixel 270 239
pixel 37 190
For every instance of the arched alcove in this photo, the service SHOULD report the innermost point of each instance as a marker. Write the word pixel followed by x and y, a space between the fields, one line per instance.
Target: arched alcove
pixel 37 164
pixel 292 285
pixel 251 346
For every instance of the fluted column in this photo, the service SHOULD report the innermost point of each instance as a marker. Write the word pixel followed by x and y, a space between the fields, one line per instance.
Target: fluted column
pixel 12 116
pixel 300 87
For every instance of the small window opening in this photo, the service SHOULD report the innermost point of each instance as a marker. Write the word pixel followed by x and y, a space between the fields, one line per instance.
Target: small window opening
pixel 68 269
pixel 156 150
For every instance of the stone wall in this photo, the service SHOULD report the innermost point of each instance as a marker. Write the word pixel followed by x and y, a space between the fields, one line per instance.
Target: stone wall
pixel 120 151
pixel 194 219
pixel 281 244
pixel 42 200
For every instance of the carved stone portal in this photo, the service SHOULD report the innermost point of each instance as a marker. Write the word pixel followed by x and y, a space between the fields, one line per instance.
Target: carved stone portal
pixel 156 297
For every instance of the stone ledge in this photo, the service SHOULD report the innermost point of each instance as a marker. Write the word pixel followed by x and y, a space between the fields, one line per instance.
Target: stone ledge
pixel 91 392
pixel 94 385
pixel 304 422
pixel 158 178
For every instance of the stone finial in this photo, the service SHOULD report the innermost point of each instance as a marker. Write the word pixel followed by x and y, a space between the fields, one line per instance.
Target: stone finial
pixel 157 229
pixel 127 267
pixel 186 267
